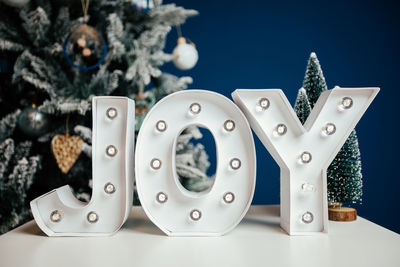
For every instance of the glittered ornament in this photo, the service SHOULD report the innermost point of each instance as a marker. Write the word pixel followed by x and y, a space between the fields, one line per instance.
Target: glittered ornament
pixel 66 150
pixel 85 48
pixel 33 123
pixel 185 55
pixel 143 5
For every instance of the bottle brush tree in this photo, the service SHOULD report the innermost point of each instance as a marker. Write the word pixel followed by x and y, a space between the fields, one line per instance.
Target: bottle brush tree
pixel 344 174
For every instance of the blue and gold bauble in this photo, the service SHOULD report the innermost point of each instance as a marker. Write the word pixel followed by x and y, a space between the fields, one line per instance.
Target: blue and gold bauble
pixel 85 48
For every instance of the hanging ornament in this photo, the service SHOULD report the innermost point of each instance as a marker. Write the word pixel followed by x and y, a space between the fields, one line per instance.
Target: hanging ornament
pixel 185 55
pixel 85 48
pixel 15 3
pixel 33 123
pixel 143 5
pixel 66 149
pixel 144 101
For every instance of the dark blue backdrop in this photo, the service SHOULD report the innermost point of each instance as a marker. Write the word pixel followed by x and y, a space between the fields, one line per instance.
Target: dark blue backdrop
pixel 266 44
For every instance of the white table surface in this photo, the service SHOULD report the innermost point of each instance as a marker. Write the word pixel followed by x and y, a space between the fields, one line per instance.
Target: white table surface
pixel 256 241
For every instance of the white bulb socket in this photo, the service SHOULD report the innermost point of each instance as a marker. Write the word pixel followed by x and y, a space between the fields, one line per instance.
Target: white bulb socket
pixel 109 188
pixel 195 108
pixel 263 104
pixel 329 129
pixel 92 217
pixel 161 126
pixel 155 164
pixel 229 125
pixel 281 129
pixel 111 151
pixel 229 197
pixel 346 103
pixel 307 217
pixel 305 157
pixel 195 215
pixel 111 113
pixel 161 197
pixel 56 216
pixel 235 163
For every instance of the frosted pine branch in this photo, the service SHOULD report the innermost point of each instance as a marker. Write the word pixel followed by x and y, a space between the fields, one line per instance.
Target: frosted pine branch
pixel 10 46
pixel 22 176
pixel 87 149
pixel 8 124
pixel 6 153
pixel 36 24
pixel 22 150
pixel 184 139
pixel 55 49
pixel 171 14
pixel 144 62
pixel 62 106
pixel 168 84
pixel 201 158
pixel 104 82
pixel 189 172
pixel 84 132
pixel 63 24
pixel 10 32
pixel 199 185
pixel 38 75
pixel 115 34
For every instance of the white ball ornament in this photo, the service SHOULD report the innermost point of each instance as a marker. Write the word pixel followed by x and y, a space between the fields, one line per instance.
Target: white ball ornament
pixel 185 55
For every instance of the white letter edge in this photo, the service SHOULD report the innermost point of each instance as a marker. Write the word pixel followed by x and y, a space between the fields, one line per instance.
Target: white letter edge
pixel 304 153
pixel 175 210
pixel 59 213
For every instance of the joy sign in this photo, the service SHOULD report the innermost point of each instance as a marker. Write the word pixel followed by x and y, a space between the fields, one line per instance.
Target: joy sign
pixel 303 153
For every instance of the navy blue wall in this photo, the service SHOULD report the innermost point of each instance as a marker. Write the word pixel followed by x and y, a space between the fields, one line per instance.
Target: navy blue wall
pixel 266 44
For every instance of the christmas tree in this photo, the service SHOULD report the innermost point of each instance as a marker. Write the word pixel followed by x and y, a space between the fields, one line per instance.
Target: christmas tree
pixel 314 80
pixel 54 57
pixel 302 105
pixel 344 174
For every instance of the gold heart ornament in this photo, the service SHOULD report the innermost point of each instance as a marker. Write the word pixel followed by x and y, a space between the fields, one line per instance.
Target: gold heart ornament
pixel 66 150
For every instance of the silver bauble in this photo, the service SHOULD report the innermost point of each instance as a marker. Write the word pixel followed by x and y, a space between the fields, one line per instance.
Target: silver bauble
pixel 33 123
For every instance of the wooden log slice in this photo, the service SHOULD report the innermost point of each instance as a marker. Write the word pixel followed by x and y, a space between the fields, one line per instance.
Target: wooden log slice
pixel 342 214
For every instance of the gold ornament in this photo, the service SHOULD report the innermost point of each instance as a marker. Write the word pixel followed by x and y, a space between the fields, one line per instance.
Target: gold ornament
pixel 66 150
pixel 81 41
pixel 86 52
pixel 141 109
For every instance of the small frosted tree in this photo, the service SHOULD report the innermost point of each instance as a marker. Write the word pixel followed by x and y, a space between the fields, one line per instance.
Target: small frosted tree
pixel 314 80
pixel 344 174
pixel 302 106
